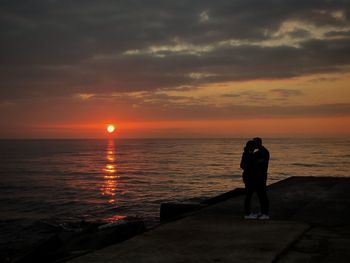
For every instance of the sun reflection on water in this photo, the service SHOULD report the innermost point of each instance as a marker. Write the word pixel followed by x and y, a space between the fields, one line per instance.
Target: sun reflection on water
pixel 110 175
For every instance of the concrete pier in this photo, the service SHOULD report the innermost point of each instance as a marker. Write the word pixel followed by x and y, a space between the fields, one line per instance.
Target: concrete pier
pixel 309 223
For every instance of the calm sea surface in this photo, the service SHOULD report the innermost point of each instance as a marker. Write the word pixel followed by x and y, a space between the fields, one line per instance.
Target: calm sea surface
pixel 107 180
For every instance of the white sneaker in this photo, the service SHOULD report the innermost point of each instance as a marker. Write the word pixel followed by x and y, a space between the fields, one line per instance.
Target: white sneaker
pixel 264 217
pixel 251 216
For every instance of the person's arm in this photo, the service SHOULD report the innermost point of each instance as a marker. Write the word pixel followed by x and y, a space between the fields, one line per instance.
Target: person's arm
pixel 264 160
pixel 243 161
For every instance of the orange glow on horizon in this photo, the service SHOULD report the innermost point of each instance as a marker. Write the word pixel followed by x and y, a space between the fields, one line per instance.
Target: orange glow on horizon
pixel 318 126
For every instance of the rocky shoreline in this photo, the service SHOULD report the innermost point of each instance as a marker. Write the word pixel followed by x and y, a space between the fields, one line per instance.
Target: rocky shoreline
pixel 51 242
pixel 48 242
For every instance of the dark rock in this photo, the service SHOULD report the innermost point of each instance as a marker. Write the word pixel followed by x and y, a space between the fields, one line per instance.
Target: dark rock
pixel 173 210
pixel 225 196
pixel 92 236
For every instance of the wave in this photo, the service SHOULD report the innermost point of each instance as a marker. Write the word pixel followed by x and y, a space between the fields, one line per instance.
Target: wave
pixel 309 164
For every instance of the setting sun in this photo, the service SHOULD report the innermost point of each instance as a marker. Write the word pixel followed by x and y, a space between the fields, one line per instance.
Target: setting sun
pixel 110 128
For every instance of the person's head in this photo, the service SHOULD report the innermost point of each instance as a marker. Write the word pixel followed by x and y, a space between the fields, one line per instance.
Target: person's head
pixel 258 142
pixel 250 146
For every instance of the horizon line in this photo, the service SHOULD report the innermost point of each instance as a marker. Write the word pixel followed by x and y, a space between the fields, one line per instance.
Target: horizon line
pixel 178 138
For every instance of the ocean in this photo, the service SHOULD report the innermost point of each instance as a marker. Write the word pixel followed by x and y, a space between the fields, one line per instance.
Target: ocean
pixel 107 180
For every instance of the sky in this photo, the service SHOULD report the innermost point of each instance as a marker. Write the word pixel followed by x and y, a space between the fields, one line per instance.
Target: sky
pixel 169 69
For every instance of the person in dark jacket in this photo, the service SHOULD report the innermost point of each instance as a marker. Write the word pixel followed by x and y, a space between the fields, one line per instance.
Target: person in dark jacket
pixel 262 158
pixel 248 164
pixel 254 162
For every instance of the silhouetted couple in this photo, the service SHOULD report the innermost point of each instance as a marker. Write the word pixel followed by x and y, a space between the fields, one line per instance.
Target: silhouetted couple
pixel 255 163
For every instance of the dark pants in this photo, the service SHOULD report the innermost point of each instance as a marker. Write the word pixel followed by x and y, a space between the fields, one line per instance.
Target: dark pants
pixel 260 189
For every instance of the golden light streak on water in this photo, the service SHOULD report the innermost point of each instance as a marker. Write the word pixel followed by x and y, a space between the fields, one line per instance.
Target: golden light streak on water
pixel 110 182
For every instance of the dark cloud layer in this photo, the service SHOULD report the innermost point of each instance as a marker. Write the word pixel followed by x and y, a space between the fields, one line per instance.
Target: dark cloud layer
pixel 68 47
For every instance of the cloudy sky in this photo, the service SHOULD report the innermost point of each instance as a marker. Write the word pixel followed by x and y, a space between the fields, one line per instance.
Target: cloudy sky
pixel 224 68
